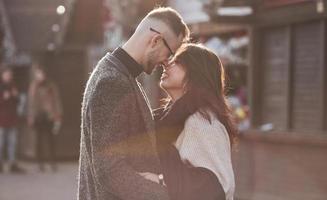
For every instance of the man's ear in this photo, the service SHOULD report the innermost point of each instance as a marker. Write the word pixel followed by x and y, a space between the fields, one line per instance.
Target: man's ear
pixel 155 40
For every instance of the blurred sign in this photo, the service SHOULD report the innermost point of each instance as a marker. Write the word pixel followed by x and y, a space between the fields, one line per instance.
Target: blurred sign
pixel 276 3
pixel 191 10
pixel 320 6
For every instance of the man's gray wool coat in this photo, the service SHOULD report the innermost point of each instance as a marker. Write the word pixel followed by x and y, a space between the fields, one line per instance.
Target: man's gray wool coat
pixel 117 138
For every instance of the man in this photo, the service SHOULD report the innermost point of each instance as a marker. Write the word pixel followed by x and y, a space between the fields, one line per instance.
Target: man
pixel 117 139
pixel 9 100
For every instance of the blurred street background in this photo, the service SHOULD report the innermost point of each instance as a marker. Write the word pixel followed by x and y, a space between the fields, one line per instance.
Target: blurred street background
pixel 274 52
pixel 36 185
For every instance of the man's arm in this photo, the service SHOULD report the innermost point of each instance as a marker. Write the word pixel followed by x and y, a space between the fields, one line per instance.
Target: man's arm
pixel 109 108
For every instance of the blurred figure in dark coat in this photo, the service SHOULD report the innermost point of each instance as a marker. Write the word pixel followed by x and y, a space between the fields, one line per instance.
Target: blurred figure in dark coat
pixel 9 99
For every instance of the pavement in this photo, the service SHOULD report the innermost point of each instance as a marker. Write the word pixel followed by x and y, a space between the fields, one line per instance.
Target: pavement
pixel 37 185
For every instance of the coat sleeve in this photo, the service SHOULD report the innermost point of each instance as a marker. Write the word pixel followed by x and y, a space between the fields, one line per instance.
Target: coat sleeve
pixel 186 182
pixel 108 117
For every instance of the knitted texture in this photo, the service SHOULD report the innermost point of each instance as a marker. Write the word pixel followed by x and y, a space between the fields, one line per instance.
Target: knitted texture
pixel 205 144
pixel 117 138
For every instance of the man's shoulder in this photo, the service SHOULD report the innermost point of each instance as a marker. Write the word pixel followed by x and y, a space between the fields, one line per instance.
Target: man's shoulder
pixel 107 75
pixel 108 69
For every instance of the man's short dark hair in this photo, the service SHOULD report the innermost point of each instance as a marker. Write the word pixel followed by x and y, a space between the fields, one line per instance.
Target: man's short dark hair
pixel 172 18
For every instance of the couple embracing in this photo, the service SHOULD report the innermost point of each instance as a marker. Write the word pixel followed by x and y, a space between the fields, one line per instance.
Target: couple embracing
pixel 180 151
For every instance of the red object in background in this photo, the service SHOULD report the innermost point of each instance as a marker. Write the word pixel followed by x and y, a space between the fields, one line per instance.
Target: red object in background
pixel 8 106
pixel 107 17
pixel 276 3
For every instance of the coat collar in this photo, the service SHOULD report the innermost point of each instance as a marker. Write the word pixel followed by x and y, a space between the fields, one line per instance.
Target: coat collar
pixel 141 97
pixel 134 68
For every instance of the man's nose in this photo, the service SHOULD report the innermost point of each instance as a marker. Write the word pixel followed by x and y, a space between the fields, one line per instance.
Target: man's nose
pixel 164 66
pixel 165 63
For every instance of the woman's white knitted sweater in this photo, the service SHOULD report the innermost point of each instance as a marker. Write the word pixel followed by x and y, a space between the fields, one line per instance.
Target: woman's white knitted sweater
pixel 207 145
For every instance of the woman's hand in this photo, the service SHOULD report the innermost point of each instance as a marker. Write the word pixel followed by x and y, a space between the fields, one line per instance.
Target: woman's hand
pixel 150 176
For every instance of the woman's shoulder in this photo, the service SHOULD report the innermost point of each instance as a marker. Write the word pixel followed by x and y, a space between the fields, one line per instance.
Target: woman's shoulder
pixel 197 124
pixel 197 119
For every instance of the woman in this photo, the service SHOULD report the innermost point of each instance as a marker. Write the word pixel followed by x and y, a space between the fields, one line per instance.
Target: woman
pixel 45 114
pixel 195 131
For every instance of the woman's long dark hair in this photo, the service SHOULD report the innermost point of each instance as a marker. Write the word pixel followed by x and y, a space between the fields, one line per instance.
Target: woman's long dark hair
pixel 205 83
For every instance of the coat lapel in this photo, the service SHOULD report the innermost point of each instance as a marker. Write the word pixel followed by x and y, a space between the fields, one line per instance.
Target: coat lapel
pixel 146 110
pixel 140 97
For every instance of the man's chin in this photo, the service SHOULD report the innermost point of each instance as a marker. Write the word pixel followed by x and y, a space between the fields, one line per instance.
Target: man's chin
pixel 149 70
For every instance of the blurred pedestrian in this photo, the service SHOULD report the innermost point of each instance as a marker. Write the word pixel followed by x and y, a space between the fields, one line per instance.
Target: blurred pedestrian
pixel 44 115
pixel 9 99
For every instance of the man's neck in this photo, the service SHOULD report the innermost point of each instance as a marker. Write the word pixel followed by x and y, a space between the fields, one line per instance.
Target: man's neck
pixel 131 49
